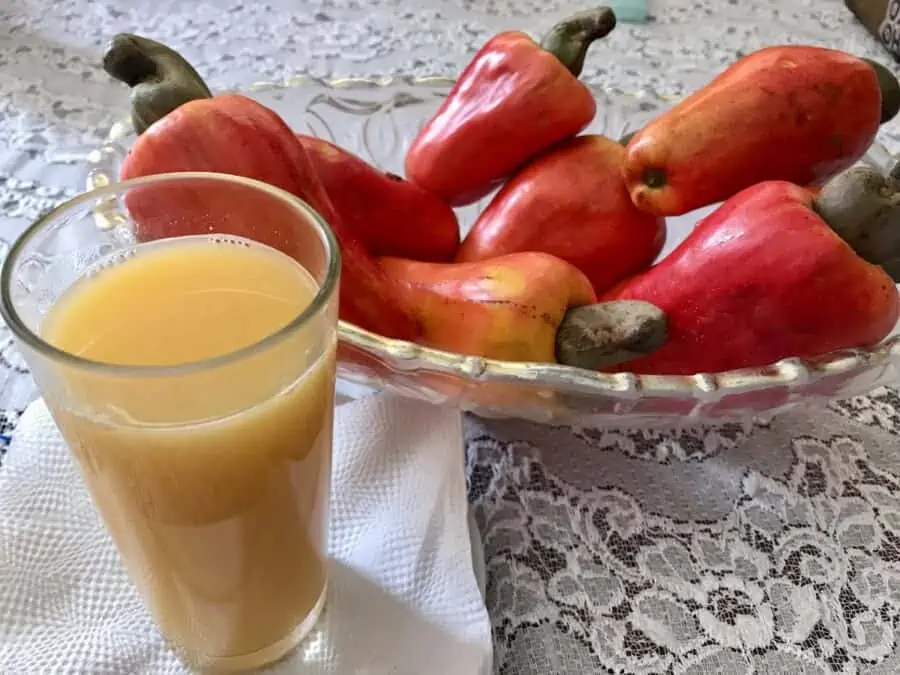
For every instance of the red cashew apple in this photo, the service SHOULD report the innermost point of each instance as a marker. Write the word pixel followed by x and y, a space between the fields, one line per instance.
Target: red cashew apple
pixel 763 278
pixel 571 202
pixel 795 113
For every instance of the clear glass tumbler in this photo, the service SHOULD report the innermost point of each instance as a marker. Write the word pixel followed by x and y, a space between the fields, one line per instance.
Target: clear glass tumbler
pixel 182 330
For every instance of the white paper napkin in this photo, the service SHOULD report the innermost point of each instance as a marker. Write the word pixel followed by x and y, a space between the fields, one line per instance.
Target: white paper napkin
pixel 402 597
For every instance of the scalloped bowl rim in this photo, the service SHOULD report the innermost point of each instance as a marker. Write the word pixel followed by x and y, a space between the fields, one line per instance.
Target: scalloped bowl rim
pixel 409 356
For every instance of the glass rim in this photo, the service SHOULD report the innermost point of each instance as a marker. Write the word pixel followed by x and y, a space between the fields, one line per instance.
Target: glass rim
pixel 20 331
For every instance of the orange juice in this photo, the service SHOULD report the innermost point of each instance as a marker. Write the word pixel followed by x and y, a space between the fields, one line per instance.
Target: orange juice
pixel 213 481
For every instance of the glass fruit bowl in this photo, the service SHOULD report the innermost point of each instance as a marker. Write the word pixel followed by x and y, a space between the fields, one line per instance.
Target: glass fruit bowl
pixel 377 119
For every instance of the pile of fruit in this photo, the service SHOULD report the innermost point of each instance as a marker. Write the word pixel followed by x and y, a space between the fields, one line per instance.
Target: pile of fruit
pixel 799 259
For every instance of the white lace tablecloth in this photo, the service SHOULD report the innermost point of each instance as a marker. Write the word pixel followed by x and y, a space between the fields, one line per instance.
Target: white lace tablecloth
pixel 748 548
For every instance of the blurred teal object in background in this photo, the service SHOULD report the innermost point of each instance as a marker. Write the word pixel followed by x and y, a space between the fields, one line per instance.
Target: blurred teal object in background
pixel 630 11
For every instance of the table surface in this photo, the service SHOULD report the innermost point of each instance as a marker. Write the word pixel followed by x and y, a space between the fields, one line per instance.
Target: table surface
pixel 762 547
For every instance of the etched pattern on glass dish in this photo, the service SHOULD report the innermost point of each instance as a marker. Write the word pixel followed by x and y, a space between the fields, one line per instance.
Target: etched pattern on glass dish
pixel 377 119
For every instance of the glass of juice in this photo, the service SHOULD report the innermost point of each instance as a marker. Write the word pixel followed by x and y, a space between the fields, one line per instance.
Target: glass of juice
pixel 182 331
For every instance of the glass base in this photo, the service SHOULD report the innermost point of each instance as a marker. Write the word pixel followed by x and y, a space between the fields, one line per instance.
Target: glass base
pixel 274 652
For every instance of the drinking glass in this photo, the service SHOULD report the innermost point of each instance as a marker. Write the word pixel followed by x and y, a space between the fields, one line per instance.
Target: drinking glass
pixel 211 475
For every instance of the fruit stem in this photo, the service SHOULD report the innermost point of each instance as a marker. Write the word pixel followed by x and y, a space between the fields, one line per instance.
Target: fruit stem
pixel 609 333
pixel 890 91
pixel 863 207
pixel 570 39
pixel 159 77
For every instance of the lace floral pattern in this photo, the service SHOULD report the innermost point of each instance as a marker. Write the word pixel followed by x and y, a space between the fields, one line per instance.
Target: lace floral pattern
pixel 771 546
pixel 799 573
pixel 664 445
pixel 8 421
